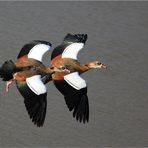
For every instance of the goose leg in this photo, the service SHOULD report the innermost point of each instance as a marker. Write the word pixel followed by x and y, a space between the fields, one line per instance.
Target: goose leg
pixel 8 83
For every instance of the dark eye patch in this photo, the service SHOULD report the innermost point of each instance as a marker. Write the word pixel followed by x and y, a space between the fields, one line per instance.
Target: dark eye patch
pixel 98 63
pixel 63 68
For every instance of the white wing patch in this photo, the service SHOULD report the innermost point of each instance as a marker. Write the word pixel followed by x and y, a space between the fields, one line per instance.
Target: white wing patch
pixel 36 85
pixel 75 80
pixel 72 50
pixel 38 51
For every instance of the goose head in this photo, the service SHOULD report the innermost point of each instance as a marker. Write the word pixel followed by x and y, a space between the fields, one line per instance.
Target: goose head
pixel 96 64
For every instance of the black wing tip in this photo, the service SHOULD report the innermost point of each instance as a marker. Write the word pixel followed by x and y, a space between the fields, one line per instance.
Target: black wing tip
pixel 76 100
pixel 81 109
pixel 43 42
pixel 82 120
pixel 28 46
pixel 37 109
pixel 80 38
pixel 38 122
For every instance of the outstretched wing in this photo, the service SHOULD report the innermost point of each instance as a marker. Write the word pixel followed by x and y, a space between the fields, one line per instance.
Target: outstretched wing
pixel 70 47
pixel 33 89
pixel 35 50
pixel 74 89
pixel 35 98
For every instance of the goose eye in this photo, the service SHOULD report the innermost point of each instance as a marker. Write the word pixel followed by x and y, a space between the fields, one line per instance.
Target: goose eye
pixel 98 63
pixel 52 68
pixel 63 68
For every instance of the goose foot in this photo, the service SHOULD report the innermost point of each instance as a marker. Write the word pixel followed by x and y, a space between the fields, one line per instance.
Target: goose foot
pixel 8 84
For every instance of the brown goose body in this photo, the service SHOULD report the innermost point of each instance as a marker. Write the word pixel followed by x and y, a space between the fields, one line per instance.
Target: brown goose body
pixel 69 83
pixel 35 68
pixel 71 65
pixel 30 75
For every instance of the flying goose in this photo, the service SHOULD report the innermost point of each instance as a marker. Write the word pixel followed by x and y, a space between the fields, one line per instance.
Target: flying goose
pixel 30 75
pixel 69 82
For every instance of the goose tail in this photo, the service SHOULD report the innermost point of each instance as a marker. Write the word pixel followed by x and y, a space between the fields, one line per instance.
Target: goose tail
pixel 7 70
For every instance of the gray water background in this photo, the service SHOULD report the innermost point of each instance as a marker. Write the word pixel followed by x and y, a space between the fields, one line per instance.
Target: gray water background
pixel 118 97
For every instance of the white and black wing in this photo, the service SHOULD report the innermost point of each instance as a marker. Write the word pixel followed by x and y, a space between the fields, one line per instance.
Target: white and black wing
pixel 35 49
pixel 36 85
pixel 35 98
pixel 33 89
pixel 70 47
pixel 74 89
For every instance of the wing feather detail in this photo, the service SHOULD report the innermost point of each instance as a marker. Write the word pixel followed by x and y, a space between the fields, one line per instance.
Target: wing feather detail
pixel 36 85
pixel 38 51
pixel 35 49
pixel 70 46
pixel 72 50
pixel 74 89
pixel 35 104
pixel 75 80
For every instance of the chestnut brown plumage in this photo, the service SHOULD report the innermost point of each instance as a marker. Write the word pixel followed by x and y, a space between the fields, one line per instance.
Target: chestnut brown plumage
pixel 31 75
pixel 27 67
pixel 69 83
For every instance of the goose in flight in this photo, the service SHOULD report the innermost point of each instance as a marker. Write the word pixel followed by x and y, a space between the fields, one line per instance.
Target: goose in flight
pixel 69 82
pixel 30 75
